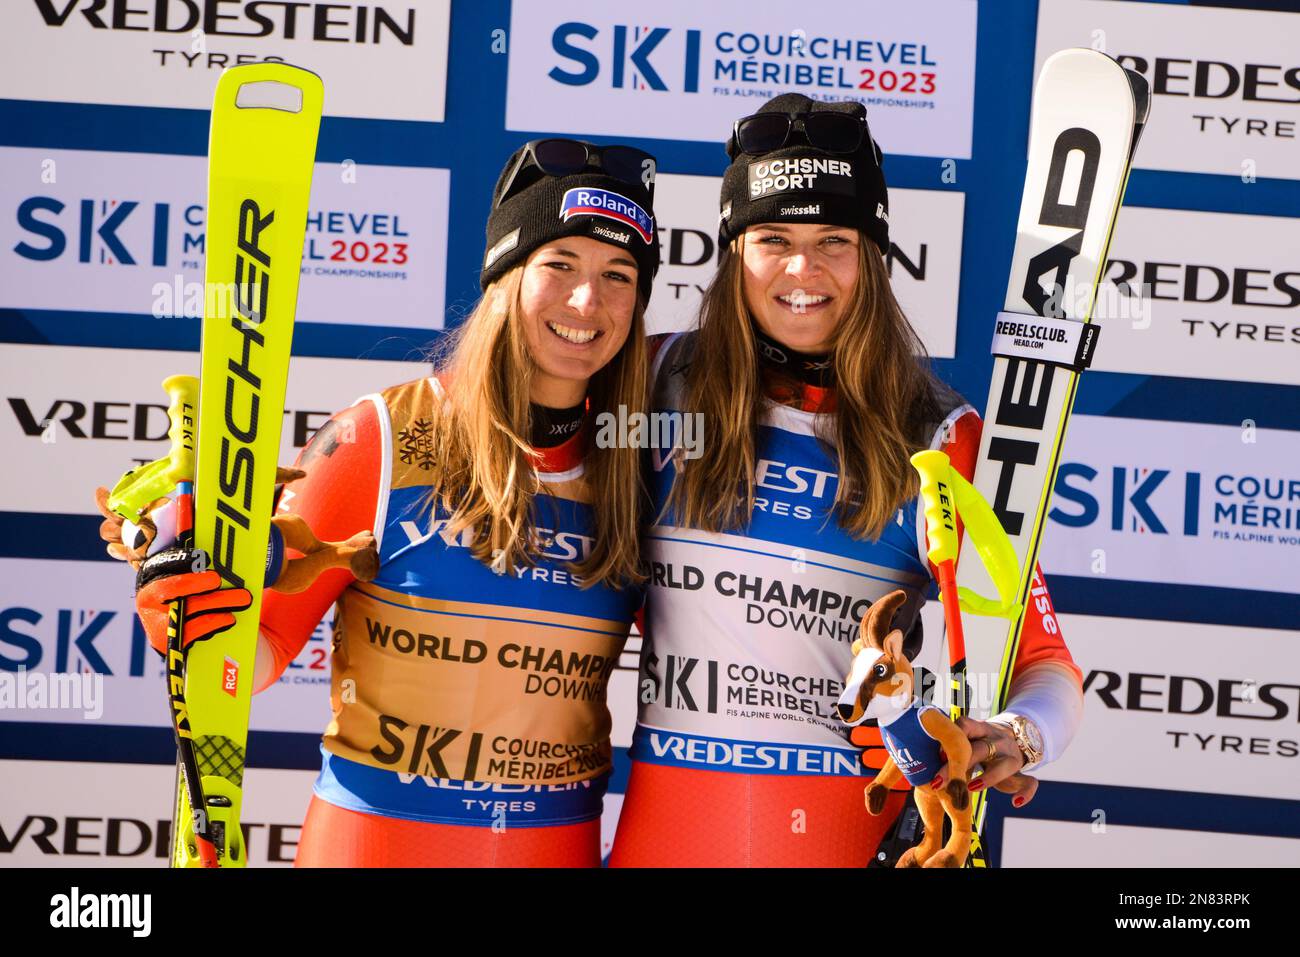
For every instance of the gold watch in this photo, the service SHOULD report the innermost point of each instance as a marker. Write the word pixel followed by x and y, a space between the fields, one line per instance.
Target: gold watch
pixel 1028 738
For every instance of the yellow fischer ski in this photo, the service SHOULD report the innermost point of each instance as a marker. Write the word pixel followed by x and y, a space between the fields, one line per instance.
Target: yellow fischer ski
pixel 261 148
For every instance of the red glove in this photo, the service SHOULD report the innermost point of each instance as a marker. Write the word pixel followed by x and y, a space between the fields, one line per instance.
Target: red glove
pixel 209 608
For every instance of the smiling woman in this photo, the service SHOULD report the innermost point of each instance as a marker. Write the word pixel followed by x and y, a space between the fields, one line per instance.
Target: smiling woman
pixel 501 524
pixel 798 280
pixel 578 296
pixel 476 654
pixel 769 549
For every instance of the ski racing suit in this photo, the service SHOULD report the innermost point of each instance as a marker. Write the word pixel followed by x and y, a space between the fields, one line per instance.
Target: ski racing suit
pixel 469 720
pixel 739 758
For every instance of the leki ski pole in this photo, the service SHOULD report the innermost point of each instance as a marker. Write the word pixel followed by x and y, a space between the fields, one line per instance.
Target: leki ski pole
pixel 951 502
pixel 130 498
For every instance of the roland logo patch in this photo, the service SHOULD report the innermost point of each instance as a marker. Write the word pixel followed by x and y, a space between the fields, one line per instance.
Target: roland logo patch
pixel 586 201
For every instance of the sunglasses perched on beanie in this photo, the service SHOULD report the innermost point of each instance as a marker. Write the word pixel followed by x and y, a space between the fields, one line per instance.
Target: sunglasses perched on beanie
pixel 559 157
pixel 827 130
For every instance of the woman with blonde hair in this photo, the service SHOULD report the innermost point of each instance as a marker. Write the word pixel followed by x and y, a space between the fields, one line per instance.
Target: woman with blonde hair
pixel 767 550
pixel 469 674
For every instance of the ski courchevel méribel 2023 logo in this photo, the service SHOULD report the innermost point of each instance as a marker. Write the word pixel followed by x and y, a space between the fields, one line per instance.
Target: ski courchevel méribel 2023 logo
pixel 695 68
pixel 668 58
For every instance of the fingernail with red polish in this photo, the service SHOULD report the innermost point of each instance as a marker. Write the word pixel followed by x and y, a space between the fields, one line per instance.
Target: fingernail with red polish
pixel 976 785
pixel 938 782
pixel 1017 802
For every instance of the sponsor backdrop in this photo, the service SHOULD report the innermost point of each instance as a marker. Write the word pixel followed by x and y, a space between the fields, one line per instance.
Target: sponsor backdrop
pixel 1174 535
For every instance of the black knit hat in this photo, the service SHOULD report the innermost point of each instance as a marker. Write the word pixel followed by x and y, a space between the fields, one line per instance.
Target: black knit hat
pixel 589 203
pixel 800 184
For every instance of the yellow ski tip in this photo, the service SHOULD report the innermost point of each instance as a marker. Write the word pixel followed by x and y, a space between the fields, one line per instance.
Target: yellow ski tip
pixel 271 86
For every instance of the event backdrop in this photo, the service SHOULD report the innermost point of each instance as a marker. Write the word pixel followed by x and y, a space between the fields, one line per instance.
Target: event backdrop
pixel 1174 538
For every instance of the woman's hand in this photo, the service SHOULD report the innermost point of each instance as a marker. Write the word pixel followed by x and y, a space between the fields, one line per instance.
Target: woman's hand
pixel 995 741
pixel 209 607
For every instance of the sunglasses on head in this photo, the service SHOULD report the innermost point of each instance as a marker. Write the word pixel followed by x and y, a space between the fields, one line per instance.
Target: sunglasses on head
pixel 559 157
pixel 827 130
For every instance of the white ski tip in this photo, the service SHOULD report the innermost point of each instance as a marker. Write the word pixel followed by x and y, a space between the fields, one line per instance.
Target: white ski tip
pixel 1084 69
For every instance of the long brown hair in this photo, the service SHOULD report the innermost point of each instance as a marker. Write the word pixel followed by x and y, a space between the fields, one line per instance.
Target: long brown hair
pixel 485 471
pixel 886 396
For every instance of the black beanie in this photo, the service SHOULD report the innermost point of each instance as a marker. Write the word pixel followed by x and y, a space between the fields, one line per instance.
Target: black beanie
pixel 589 204
pixel 799 184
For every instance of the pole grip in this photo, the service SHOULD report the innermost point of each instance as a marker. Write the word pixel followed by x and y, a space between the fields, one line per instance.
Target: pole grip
pixel 940 510
pixel 183 414
pixel 140 487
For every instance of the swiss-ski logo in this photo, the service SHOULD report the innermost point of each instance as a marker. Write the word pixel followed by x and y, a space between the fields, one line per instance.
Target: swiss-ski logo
pixel 586 201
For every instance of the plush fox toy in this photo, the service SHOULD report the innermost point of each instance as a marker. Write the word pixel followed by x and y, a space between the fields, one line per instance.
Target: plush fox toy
pixel 882 685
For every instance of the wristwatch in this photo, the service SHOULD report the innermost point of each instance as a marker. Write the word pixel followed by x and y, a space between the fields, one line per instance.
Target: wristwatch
pixel 1028 738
